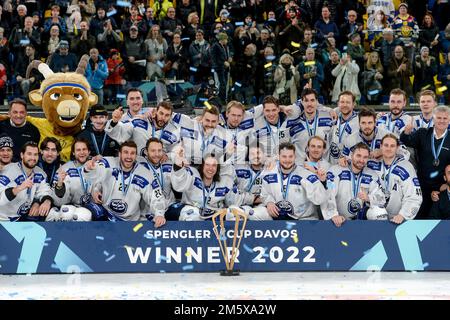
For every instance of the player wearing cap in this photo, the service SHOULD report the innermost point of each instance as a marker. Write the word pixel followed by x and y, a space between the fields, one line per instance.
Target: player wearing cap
pixel 6 151
pixel 94 132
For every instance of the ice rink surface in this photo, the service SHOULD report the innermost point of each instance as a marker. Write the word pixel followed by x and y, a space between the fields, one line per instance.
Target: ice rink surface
pixel 212 286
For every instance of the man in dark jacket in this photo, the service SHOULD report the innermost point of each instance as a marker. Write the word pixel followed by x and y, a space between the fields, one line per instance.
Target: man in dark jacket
pixel 221 59
pixel 95 133
pixel 63 60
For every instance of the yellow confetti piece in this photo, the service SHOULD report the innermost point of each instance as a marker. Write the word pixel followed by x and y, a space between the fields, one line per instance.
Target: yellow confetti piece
pixel 295 237
pixel 310 63
pixel 137 227
pixel 442 89
pixel 426 87
pixel 187 254
pixel 268 65
pixel 295 44
pixel 206 103
pixel 344 243
pixel 401 293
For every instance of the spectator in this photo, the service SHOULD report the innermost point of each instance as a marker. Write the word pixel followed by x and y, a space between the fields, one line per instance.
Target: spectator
pixel 244 74
pixel 149 18
pixel 208 12
pixel 346 73
pixel 425 69
pixel 241 40
pixel 74 19
pixel 184 9
pixel 375 27
pixel 115 81
pixel 329 80
pixel 265 40
pixel 387 46
pixel 292 32
pixel 350 27
pixel 108 39
pixel 311 71
pixel 399 71
pixel 19 20
pixel 134 20
pixel 356 50
pixel 134 50
pixel 62 60
pixel 5 22
pixel 55 19
pixel 200 58
pixel 21 37
pixel 191 29
pixel 445 37
pixel 266 72
pixel 156 48
pixel 160 8
pixel 330 47
pixel 286 80
pixel 26 85
pixel 96 73
pixel 429 35
pixel 407 30
pixel 97 22
pixel 84 42
pixel 176 62
pixel 87 8
pixel 221 59
pixel 444 77
pixel 169 24
pixel 52 43
pixel 325 27
pixel 372 79
pixel 305 44
pixel 225 22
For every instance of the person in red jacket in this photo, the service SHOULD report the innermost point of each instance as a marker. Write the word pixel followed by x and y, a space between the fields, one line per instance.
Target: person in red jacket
pixel 115 81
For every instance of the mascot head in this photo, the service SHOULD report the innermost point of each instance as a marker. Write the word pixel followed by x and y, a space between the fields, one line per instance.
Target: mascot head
pixel 64 97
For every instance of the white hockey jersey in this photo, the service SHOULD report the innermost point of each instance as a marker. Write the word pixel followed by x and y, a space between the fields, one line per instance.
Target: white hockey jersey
pixel 340 131
pixel 249 183
pixel 123 193
pixel 400 186
pixel 301 189
pixel 304 129
pixel 394 126
pixel 13 207
pixel 220 194
pixel 77 186
pixel 420 122
pixel 343 187
pixel 351 141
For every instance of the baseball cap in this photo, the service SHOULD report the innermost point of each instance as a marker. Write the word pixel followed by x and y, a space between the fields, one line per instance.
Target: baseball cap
pixel 98 110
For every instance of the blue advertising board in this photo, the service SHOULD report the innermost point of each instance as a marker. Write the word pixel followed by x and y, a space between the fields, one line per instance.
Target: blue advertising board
pixel 61 247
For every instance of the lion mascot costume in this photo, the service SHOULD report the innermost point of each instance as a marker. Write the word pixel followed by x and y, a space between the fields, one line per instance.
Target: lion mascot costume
pixel 65 99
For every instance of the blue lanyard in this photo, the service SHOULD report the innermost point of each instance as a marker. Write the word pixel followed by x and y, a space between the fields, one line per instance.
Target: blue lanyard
pixel 423 122
pixel 206 196
pixel 433 148
pixel 84 183
pixel 390 124
pixel 208 141
pixel 253 179
pixel 99 151
pixel 356 183
pixel 160 176
pixel 125 187
pixel 341 132
pixel 269 129
pixel 310 132
pixel 153 126
pixel 25 177
pixel 285 193
pixel 388 174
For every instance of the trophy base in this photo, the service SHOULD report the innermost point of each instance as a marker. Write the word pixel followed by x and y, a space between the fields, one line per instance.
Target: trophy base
pixel 229 273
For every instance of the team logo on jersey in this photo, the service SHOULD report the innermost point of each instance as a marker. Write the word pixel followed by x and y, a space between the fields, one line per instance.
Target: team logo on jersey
pixel 334 150
pixel 285 208
pixel 85 199
pixel 24 209
pixel 118 206
pixel 354 207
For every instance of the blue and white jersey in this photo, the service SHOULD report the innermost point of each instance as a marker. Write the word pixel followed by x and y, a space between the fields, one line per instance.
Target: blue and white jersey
pixel 77 187
pixel 395 126
pixel 301 189
pixel 249 182
pixel 140 130
pixel 420 122
pixel 269 136
pixel 125 194
pixel 209 199
pixel 400 186
pixel 162 173
pixel 351 141
pixel 304 129
pixel 13 207
pixel 197 143
pixel 127 116
pixel 341 130
pixel 343 187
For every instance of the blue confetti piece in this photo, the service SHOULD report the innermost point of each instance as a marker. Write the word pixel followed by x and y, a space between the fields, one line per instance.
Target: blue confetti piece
pixel 99 238
pixel 238 84
pixel 373 92
pixel 111 13
pixel 202 99
pixel 162 271
pixel 212 70
pixel 123 4
pixel 239 23
pixel 247 248
pixel 282 240
pixel 149 236
pixel 344 48
pixel 185 39
pixel 434 174
pixel 328 264
pixel 110 258
pixel 289 225
pixel 48 239
pixel 426 265
pixel 157 243
pixel 188 267
pixel 313 45
pixel 106 253
pixel 193 69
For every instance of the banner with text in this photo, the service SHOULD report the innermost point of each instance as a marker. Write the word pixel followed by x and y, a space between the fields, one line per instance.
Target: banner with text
pixel 67 247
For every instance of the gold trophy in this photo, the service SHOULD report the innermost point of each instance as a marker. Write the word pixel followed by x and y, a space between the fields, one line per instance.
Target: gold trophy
pixel 220 232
